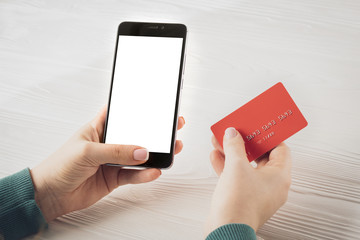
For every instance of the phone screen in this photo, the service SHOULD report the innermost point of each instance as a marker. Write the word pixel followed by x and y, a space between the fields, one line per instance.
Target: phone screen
pixel 143 98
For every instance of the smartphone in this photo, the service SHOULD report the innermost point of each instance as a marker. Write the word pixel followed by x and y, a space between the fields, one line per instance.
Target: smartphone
pixel 145 89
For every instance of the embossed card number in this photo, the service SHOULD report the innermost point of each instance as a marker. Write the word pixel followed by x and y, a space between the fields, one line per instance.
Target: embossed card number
pixel 264 122
pixel 268 126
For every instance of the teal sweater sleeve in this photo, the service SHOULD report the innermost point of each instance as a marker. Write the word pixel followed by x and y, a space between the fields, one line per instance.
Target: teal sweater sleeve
pixel 19 214
pixel 232 231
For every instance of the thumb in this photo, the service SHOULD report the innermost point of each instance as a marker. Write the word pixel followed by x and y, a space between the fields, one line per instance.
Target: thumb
pixel 101 153
pixel 234 148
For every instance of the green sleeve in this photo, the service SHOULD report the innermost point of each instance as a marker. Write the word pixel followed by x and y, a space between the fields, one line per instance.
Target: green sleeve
pixel 232 231
pixel 19 214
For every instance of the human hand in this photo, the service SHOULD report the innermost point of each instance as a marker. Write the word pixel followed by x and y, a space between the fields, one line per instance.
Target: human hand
pixel 74 177
pixel 245 194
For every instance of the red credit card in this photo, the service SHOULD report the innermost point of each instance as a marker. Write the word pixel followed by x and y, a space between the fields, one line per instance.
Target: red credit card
pixel 264 122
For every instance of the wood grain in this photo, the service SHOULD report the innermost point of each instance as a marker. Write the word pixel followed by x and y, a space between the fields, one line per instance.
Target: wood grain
pixel 55 66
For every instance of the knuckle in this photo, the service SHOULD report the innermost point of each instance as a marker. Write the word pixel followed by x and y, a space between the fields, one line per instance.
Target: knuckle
pixel 122 152
pixel 86 149
pixel 229 146
pixel 117 152
pixel 86 153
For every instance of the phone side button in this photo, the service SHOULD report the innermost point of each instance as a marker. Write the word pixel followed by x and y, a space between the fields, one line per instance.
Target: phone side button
pixel 182 82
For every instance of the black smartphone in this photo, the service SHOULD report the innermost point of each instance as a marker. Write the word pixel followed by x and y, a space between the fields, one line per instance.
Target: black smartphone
pixel 145 89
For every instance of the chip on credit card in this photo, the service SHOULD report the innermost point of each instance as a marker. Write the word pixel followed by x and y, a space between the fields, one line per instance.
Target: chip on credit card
pixel 264 122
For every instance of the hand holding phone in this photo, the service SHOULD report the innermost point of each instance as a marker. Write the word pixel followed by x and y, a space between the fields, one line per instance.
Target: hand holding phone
pixel 145 89
pixel 81 176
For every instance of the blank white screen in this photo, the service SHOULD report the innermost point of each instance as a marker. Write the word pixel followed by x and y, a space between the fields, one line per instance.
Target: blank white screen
pixel 144 92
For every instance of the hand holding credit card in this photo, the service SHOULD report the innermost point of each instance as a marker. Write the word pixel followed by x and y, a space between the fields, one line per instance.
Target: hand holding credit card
pixel 264 122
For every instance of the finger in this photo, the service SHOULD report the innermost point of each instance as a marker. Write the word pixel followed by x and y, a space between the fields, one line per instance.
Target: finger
pixel 217 160
pixel 132 176
pixel 234 149
pixel 178 146
pixel 98 122
pixel 181 122
pixel 116 176
pixel 94 130
pixel 261 161
pixel 216 144
pixel 280 157
pixel 99 153
pixel 110 175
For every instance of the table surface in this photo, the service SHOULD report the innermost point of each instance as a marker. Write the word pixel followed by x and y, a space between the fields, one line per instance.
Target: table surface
pixel 55 70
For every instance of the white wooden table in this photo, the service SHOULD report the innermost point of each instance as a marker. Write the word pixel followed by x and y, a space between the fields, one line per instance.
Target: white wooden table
pixel 55 66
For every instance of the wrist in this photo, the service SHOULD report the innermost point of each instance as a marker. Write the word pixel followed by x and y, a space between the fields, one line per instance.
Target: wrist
pixel 44 197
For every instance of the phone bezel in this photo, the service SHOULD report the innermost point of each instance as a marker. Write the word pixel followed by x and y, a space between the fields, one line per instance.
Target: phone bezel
pixel 156 160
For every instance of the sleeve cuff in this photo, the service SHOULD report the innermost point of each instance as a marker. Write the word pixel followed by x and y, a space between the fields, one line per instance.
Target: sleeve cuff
pixel 233 231
pixel 19 214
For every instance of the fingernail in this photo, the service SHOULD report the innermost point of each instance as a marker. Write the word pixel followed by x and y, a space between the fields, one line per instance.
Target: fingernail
pixel 141 154
pixel 230 133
